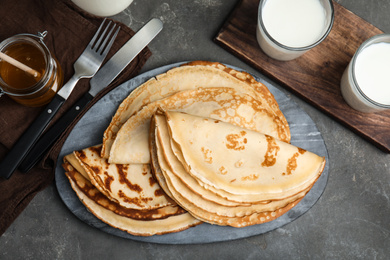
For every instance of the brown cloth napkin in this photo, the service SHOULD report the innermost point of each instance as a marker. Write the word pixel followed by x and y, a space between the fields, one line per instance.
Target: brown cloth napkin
pixel 69 31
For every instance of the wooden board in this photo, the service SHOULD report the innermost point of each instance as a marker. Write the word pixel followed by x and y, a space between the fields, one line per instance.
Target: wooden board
pixel 315 76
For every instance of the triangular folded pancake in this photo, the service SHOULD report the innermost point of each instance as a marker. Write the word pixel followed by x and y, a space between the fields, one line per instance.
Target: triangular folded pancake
pixel 240 161
pixel 225 104
pixel 160 163
pixel 75 163
pixel 197 198
pixel 201 208
pixel 241 220
pixel 192 76
pixel 189 188
pixel 136 222
pixel 94 194
pixel 227 175
pixel 131 186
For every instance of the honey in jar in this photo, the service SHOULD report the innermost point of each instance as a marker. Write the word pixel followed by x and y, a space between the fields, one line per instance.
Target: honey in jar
pixel 25 88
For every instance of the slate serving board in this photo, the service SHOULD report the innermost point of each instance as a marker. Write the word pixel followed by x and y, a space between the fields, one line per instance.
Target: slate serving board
pixel 89 131
pixel 315 76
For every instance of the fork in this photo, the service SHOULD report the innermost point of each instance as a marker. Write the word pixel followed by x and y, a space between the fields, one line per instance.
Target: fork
pixel 85 66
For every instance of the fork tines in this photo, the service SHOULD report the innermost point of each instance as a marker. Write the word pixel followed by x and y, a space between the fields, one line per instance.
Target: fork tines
pixel 103 47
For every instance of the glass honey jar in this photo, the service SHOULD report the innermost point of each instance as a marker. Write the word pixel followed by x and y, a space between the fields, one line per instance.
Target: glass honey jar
pixel 27 89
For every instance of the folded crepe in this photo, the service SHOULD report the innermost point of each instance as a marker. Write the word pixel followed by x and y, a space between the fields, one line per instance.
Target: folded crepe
pixel 130 185
pixel 136 222
pixel 191 76
pixel 225 174
pixel 225 104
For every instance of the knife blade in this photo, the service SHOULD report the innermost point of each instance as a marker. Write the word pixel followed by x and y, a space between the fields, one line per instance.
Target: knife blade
pixel 110 70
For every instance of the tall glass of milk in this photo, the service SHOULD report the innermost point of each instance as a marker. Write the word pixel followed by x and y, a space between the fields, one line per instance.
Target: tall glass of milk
pixel 286 29
pixel 365 84
pixel 103 7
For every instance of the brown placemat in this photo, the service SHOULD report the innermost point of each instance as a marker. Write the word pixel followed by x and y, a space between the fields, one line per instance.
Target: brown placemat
pixel 315 76
pixel 69 31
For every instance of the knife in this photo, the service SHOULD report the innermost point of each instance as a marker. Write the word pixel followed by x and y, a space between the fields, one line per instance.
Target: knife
pixel 102 79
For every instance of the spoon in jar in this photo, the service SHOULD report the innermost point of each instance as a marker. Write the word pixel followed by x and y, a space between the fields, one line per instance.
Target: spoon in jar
pixel 19 65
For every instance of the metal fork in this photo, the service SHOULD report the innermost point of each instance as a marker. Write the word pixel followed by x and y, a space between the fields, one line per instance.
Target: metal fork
pixel 85 66
pixel 91 59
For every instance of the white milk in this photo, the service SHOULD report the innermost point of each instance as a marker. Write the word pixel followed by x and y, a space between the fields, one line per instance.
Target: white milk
pixel 372 72
pixel 372 75
pixel 103 7
pixel 296 24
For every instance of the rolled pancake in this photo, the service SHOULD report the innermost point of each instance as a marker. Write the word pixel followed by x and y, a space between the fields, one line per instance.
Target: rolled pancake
pixel 239 161
pixel 225 104
pixel 191 76
pixel 131 186
pixel 159 226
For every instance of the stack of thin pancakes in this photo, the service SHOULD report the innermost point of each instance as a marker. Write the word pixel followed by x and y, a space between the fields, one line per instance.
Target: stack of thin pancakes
pixel 227 175
pixel 124 196
pixel 161 167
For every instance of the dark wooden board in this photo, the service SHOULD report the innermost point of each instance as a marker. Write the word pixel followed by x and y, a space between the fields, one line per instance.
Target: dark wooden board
pixel 315 76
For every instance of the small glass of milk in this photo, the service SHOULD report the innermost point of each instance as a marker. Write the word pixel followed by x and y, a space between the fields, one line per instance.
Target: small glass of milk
pixel 286 29
pixel 365 84
pixel 103 7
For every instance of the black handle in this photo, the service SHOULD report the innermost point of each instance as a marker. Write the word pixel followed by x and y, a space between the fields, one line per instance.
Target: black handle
pixel 28 139
pixel 51 135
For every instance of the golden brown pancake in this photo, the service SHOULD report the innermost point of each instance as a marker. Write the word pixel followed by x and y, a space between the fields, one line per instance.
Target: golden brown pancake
pixel 209 201
pixel 240 161
pixel 140 223
pixel 190 154
pixel 94 194
pixel 225 104
pixel 131 186
pixel 191 76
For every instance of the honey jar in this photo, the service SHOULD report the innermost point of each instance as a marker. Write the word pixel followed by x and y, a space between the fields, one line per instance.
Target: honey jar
pixel 27 89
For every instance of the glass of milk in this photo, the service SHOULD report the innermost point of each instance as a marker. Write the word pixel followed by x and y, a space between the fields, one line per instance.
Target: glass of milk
pixel 286 29
pixel 103 7
pixel 365 84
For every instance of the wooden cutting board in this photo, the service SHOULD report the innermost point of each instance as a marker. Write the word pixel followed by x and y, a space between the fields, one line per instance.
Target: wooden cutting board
pixel 315 76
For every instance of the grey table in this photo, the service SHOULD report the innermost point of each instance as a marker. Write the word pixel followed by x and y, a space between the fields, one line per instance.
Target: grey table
pixel 350 221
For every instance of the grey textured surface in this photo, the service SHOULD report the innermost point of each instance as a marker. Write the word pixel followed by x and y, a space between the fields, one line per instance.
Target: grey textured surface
pixel 350 220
